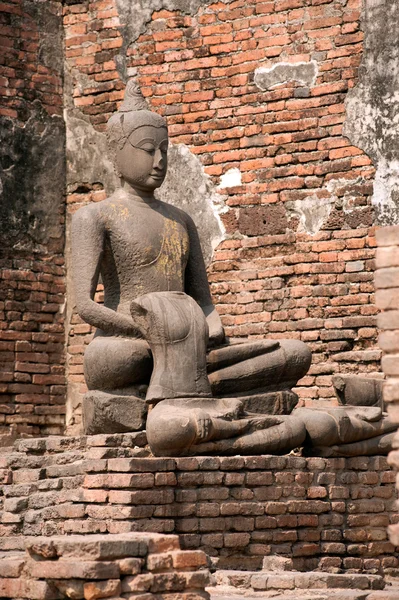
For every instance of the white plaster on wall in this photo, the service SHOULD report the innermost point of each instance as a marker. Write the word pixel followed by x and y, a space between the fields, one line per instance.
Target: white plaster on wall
pixel 304 73
pixel 231 178
pixel 386 186
pixel 372 106
pixel 312 212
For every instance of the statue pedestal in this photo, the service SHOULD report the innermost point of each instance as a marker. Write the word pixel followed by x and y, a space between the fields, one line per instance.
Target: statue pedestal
pixel 244 511
pixel 116 412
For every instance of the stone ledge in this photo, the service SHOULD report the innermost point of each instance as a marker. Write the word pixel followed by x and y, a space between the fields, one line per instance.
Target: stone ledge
pixel 228 593
pixel 291 585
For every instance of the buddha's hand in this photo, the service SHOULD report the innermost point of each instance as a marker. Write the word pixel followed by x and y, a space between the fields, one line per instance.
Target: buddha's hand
pixel 204 426
pixel 216 331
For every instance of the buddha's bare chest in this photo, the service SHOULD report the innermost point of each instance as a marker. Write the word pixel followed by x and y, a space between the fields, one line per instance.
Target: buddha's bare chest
pixel 145 239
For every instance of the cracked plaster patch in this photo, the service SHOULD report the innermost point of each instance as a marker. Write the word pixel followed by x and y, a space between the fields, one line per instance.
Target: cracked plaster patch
pixel 372 107
pixel 312 212
pixel 304 73
pixel 87 153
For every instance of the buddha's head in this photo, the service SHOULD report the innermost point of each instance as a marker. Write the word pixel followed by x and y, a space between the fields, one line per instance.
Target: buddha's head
pixel 139 142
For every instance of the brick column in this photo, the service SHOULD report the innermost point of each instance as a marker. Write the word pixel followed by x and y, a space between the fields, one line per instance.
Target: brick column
pixel 387 300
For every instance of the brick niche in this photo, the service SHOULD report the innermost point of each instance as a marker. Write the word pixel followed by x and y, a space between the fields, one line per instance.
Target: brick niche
pixel 277 273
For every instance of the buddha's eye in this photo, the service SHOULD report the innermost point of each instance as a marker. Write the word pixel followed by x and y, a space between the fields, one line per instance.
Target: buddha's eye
pixel 148 148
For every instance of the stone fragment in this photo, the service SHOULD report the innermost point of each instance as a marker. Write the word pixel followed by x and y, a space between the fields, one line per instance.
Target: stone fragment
pixel 97 547
pixel 12 566
pixel 31 590
pixel 263 220
pixel 113 413
pixel 277 563
pixel 159 562
pixel 270 403
pixel 189 558
pixel 68 569
pixel 71 588
pixel 102 589
pixel 358 391
pixel 130 566
pixel 137 583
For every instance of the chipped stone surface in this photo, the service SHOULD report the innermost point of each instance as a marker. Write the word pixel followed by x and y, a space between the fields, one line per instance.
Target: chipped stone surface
pixel 337 205
pixel 270 219
pixel 283 72
pixel 372 107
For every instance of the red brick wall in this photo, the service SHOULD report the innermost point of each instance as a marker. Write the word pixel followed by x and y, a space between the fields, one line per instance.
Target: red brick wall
pixel 268 277
pixel 324 513
pixel 32 287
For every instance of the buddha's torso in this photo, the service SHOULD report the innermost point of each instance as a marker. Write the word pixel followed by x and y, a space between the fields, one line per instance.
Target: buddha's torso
pixel 146 249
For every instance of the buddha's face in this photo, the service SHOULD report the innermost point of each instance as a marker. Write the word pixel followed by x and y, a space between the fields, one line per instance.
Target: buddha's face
pixel 142 162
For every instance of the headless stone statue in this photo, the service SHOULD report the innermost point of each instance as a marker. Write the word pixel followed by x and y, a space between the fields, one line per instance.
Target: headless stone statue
pixel 187 420
pixel 140 245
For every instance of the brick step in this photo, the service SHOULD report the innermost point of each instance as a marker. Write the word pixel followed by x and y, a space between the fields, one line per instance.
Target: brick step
pixel 295 580
pixel 229 593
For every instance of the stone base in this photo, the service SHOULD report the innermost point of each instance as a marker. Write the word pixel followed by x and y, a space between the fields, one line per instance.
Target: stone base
pixel 291 580
pixel 117 412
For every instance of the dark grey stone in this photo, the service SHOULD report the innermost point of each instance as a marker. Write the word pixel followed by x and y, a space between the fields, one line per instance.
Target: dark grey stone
pixel 32 180
pixel 113 413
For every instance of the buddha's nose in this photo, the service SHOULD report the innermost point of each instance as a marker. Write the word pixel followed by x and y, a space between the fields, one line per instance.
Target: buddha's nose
pixel 159 159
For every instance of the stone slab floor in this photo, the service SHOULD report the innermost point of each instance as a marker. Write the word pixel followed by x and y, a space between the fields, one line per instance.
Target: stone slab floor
pixel 390 593
pixel 350 587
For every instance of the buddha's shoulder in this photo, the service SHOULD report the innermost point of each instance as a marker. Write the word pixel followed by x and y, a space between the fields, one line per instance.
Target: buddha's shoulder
pixel 97 210
pixel 178 213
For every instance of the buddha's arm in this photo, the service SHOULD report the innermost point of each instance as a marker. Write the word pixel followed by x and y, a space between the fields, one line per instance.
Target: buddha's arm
pixel 87 250
pixel 197 286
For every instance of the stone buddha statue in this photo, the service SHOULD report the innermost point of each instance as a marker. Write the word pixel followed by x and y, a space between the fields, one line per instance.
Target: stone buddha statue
pixel 138 246
pixel 159 341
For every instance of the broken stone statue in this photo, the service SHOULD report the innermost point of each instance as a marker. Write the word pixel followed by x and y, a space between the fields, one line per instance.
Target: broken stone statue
pixel 187 420
pixel 159 340
pixel 139 246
